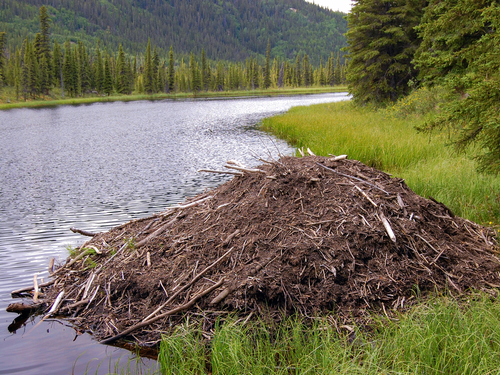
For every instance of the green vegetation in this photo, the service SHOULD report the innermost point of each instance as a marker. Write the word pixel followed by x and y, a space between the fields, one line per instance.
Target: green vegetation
pixel 38 70
pixel 227 30
pixel 440 336
pixel 396 46
pixel 387 140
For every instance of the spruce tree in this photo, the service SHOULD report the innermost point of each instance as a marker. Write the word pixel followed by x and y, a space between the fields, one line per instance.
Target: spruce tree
pixel 460 53
pixel 121 72
pixel 148 71
pixel 382 42
pixel 107 87
pixel 3 43
pixel 171 72
pixel 57 67
pixel 267 73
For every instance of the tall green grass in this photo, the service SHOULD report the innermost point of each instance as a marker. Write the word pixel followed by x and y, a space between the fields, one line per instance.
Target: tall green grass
pixel 441 336
pixel 389 142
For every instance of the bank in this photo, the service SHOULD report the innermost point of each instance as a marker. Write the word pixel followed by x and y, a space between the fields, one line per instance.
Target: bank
pixel 57 99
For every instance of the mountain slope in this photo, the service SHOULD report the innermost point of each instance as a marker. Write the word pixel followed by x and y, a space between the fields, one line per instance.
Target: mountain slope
pixel 226 29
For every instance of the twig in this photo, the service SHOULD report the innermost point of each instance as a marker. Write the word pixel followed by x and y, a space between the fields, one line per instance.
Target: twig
pixel 196 278
pixel 220 172
pixel 354 178
pixel 30 288
pixel 249 170
pixel 365 195
pixel 158 317
pixel 387 227
pixel 191 204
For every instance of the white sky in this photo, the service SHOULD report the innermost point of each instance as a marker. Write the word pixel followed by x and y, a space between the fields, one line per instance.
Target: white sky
pixel 342 5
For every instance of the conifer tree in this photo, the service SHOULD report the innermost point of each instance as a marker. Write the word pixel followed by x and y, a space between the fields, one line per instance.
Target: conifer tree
pixel 148 70
pixel 267 73
pixel 98 71
pixel 382 42
pixel 305 68
pixel 57 67
pixel 171 72
pixel 3 42
pixel 121 72
pixel 298 72
pixel 43 48
pixel 107 86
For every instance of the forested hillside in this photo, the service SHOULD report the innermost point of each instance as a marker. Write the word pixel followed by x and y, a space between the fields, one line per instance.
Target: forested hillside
pixel 226 29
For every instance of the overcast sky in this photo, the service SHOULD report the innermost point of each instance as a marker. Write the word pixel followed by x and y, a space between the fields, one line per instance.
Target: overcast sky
pixel 342 5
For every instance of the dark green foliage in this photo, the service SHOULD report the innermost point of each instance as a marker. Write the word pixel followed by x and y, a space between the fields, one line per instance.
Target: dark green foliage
pixel 461 52
pixel 382 42
pixel 171 72
pixel 2 58
pixel 228 30
pixel 107 84
pixel 267 72
pixel 148 70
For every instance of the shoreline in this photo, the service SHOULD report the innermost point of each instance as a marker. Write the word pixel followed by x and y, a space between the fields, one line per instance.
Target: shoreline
pixel 203 95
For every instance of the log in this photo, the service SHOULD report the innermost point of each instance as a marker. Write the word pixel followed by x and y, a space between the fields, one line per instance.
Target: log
pixel 24 308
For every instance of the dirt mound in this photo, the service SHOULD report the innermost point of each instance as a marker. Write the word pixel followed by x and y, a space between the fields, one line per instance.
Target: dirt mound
pixel 302 235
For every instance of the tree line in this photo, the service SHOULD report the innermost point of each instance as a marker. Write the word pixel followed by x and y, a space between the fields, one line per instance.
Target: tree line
pixel 396 46
pixel 40 65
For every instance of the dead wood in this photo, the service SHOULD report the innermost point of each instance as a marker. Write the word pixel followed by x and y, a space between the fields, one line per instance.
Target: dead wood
pixel 322 234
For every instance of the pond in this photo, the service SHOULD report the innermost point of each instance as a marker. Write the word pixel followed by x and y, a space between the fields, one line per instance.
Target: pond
pixel 97 166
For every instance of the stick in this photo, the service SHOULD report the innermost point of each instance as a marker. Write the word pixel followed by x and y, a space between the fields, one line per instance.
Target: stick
pixel 387 227
pixel 196 278
pixel 237 163
pixel 29 288
pixel 195 203
pixel 82 232
pixel 249 170
pixel 354 178
pixel 56 304
pixel 35 287
pixel 170 312
pixel 337 158
pixel 220 172
pixel 365 195
pixel 310 152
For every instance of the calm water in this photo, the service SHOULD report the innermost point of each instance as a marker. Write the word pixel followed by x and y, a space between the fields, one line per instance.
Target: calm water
pixel 94 167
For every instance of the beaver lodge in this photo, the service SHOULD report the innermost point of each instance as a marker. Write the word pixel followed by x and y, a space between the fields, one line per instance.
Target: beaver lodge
pixel 306 236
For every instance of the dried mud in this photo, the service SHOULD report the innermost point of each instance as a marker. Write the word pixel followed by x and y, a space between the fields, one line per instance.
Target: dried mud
pixel 305 237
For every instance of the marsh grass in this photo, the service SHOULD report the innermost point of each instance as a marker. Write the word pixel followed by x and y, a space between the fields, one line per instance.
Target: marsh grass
pixel 387 140
pixel 439 336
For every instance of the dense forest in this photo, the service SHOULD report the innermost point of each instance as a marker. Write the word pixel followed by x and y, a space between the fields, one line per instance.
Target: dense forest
pixel 451 48
pixel 231 30
pixel 39 65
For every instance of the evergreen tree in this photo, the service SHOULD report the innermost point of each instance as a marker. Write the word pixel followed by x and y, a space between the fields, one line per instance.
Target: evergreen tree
pixel 148 71
pixel 171 72
pixel 43 48
pixel 267 73
pixel 98 71
pixel 298 72
pixel 122 85
pixel 382 42
pixel 205 78
pixel 3 43
pixel 460 52
pixel 107 86
pixel 57 66
pixel 305 68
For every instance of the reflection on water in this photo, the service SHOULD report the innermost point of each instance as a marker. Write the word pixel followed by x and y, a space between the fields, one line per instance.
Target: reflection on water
pixel 94 167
